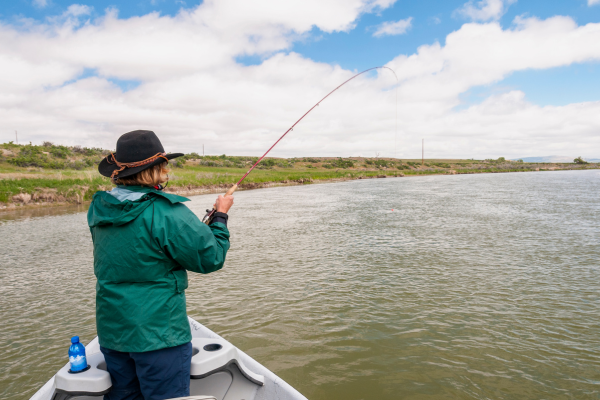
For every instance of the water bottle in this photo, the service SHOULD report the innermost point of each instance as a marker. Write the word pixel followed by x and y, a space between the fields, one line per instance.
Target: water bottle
pixel 77 356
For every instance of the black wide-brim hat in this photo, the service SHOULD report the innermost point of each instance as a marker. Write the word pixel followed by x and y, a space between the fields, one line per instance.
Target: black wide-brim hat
pixel 135 148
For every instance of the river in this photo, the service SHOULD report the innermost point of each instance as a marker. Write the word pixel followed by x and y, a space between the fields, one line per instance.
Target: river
pixel 460 287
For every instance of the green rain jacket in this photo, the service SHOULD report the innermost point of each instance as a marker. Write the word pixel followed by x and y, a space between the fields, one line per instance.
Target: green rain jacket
pixel 142 249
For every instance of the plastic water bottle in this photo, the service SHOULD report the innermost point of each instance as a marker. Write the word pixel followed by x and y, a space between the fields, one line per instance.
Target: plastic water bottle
pixel 77 355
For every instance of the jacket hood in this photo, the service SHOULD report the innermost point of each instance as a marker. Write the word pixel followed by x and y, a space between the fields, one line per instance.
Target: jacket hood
pixel 107 209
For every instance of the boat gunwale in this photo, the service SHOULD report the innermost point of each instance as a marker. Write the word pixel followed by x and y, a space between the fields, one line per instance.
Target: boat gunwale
pixel 274 387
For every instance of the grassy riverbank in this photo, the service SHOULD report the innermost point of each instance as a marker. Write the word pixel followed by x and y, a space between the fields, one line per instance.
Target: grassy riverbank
pixel 53 174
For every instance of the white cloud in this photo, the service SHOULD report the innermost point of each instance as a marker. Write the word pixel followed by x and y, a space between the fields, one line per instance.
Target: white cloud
pixel 481 54
pixel 73 17
pixel 40 3
pixel 193 92
pixel 593 2
pixel 485 10
pixel 77 10
pixel 393 28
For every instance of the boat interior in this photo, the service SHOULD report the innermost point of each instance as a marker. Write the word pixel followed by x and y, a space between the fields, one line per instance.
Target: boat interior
pixel 217 373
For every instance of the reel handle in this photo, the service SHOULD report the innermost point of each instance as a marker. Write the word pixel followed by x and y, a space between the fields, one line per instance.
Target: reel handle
pixel 209 213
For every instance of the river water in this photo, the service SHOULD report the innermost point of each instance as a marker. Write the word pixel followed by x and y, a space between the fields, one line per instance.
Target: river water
pixel 473 287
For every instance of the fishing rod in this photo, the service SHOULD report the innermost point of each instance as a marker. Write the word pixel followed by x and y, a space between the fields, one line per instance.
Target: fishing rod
pixel 209 213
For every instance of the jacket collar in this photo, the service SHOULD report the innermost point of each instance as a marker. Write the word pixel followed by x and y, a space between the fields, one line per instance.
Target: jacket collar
pixel 173 198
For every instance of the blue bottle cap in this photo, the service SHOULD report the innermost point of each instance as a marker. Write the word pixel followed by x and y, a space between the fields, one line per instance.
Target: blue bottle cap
pixel 75 339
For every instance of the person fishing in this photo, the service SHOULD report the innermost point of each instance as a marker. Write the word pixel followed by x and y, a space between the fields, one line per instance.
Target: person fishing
pixel 145 241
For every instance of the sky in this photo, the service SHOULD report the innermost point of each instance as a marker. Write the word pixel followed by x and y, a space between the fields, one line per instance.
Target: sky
pixel 473 79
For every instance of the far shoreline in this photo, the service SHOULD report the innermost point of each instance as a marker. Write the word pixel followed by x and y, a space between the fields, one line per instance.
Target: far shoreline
pixel 189 191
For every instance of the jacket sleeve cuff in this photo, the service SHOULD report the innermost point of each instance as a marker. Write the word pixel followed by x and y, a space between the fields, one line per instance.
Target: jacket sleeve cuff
pixel 220 217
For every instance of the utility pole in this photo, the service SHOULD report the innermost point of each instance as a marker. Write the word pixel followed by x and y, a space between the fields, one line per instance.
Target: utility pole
pixel 422 152
pixel 396 127
pixel 16 137
pixel 202 149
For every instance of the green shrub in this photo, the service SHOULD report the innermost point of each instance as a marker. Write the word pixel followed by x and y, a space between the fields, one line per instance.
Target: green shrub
pixel 94 151
pixel 87 151
pixel 190 156
pixel 380 163
pixel 310 160
pixel 209 163
pixel 176 163
pixel 339 163
pixel 60 151
pixel 31 156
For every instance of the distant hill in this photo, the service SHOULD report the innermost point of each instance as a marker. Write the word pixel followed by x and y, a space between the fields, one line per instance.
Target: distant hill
pixel 554 159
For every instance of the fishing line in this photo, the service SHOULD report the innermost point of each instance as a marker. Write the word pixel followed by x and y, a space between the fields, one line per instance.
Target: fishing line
pixel 209 213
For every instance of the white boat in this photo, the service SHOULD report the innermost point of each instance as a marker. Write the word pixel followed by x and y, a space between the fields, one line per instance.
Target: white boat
pixel 219 371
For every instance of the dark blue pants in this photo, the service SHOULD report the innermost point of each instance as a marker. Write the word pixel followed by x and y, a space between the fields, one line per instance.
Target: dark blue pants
pixel 152 375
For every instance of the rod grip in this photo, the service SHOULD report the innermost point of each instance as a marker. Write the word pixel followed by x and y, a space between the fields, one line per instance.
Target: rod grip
pixel 231 190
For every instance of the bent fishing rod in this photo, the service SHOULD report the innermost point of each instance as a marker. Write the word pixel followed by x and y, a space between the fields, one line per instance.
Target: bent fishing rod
pixel 209 213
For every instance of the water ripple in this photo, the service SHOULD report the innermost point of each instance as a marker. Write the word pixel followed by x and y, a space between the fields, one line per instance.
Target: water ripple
pixel 475 286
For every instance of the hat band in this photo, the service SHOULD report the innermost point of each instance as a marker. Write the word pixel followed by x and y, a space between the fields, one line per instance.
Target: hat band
pixel 122 166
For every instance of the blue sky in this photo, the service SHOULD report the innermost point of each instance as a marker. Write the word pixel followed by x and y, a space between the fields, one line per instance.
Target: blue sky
pixel 515 81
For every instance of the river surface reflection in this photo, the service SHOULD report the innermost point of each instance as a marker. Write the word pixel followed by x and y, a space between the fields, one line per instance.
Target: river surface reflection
pixel 474 286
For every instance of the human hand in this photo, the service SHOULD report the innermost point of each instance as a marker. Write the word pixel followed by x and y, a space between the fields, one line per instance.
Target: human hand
pixel 223 203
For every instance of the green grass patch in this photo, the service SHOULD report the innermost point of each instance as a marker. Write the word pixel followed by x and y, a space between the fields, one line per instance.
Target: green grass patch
pixel 52 189
pixel 50 172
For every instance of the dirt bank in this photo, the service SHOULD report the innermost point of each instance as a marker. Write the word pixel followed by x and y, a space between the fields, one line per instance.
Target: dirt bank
pixel 48 198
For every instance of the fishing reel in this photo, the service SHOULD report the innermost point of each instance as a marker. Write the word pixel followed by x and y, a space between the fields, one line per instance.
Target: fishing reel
pixel 209 216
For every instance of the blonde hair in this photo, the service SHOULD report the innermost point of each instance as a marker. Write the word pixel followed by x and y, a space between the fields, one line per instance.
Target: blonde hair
pixel 148 177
